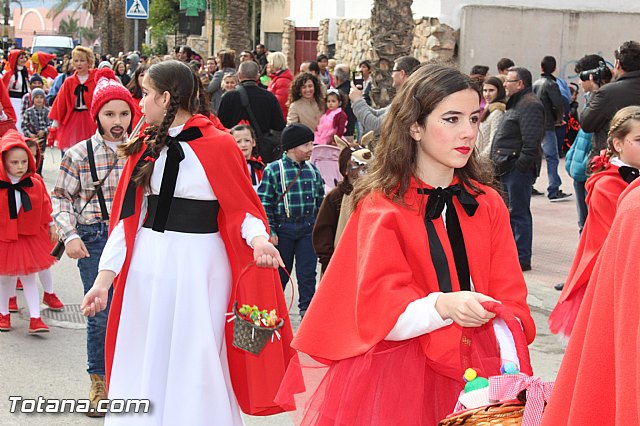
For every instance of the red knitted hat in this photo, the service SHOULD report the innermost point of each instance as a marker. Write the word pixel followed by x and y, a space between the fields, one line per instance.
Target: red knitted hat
pixel 109 88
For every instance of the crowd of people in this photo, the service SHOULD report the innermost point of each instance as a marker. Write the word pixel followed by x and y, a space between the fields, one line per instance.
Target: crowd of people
pixel 418 212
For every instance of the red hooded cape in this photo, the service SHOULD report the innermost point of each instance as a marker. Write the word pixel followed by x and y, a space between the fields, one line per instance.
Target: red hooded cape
pixel 382 263
pixel 255 378
pixel 31 222
pixel 6 103
pixel 603 189
pixel 12 61
pixel 599 378
pixel 41 60
pixel 62 107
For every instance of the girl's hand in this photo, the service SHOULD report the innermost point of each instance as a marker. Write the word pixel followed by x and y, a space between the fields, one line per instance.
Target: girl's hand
pixel 96 298
pixel 53 234
pixel 464 308
pixel 266 254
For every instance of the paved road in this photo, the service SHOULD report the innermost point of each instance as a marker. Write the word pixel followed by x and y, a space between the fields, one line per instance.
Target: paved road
pixel 53 365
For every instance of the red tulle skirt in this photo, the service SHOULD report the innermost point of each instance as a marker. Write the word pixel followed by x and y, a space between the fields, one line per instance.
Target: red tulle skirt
pixel 78 128
pixel 27 255
pixel 392 384
pixel 564 315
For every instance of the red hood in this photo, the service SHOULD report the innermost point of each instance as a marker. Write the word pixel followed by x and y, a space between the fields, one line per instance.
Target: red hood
pixel 13 139
pixel 41 59
pixel 13 58
pixel 286 74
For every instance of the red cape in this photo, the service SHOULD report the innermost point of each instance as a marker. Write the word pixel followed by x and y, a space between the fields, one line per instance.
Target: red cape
pixel 603 190
pixel 255 379
pixel 13 60
pixel 41 60
pixel 31 222
pixel 62 107
pixel 382 263
pixel 599 378
pixel 6 103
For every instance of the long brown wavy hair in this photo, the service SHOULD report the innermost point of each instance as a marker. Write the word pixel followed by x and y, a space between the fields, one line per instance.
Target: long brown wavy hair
pixel 395 159
pixel 180 81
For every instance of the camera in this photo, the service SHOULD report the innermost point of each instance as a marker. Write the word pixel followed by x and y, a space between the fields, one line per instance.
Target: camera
pixel 358 79
pixel 601 73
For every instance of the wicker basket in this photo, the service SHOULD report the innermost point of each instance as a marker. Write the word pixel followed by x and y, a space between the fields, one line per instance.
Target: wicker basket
pixel 503 413
pixel 250 337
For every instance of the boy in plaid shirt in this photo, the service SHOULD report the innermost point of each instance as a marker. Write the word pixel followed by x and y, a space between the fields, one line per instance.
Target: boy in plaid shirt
pixel 35 122
pixel 291 192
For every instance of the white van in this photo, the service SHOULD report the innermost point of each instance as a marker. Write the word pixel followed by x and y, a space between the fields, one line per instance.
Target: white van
pixel 58 45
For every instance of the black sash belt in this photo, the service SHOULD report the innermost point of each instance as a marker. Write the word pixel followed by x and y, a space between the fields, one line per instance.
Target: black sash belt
pixel 187 216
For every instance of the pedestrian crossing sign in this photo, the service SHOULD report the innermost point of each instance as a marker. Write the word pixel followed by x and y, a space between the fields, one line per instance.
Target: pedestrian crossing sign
pixel 137 9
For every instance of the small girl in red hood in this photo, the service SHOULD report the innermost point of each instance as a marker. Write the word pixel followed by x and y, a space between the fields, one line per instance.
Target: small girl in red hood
pixel 27 233
pixel 246 140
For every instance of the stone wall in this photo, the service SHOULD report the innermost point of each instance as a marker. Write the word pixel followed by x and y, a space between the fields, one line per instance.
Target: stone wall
pixel 289 41
pixel 431 40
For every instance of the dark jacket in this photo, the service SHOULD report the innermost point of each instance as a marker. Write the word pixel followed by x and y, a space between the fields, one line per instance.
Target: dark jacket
pixel 605 102
pixel 263 103
pixel 351 123
pixel 517 142
pixel 547 90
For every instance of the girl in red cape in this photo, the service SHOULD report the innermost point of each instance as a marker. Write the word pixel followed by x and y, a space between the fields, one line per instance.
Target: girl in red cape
pixel 27 232
pixel 16 80
pixel 613 172
pixel 597 383
pixel 72 121
pixel 185 222
pixel 41 66
pixel 388 315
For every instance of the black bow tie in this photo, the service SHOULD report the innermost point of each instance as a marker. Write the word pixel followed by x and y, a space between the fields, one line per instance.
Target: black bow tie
pixel 629 174
pixel 24 197
pixel 79 92
pixel 438 199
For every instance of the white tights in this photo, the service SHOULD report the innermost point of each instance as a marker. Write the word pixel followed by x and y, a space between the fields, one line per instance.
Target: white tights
pixel 8 288
pixel 46 279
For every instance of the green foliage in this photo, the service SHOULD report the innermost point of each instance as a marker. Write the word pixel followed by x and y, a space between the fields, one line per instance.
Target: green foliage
pixel 163 19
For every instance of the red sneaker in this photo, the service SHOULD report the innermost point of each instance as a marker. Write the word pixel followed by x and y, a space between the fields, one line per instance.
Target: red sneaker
pixel 5 322
pixel 37 326
pixel 19 285
pixel 52 301
pixel 13 304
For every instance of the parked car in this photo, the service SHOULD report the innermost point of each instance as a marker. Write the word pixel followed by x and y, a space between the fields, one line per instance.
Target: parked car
pixel 58 45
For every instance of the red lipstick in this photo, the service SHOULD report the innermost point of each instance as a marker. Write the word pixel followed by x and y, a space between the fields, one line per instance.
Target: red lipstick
pixel 463 149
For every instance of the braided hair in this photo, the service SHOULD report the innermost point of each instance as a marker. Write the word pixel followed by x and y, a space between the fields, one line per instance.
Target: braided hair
pixel 620 127
pixel 182 84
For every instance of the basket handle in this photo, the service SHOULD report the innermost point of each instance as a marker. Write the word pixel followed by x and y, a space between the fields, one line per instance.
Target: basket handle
pixel 253 263
pixel 515 328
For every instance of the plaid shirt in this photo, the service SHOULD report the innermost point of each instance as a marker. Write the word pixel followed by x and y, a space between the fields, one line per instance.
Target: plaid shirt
pixel 74 185
pixel 27 102
pixel 304 197
pixel 35 119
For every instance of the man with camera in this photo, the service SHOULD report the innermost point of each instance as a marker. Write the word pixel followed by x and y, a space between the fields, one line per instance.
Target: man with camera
pixel 608 99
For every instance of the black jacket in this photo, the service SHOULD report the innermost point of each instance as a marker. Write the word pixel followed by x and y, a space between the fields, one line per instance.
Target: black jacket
pixel 547 90
pixel 351 123
pixel 605 102
pixel 264 106
pixel 517 141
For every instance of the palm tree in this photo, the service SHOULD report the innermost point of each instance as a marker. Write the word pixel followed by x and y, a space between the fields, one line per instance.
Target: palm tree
pixel 238 25
pixel 69 27
pixel 392 37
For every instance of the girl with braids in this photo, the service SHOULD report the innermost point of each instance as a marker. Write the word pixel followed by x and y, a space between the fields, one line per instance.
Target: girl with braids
pixel 72 121
pixel 392 338
pixel 612 172
pixel 185 222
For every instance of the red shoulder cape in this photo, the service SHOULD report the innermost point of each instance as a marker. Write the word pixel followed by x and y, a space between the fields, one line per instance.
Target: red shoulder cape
pixel 6 103
pixel 598 379
pixel 63 105
pixel 604 189
pixel 382 263
pixel 255 378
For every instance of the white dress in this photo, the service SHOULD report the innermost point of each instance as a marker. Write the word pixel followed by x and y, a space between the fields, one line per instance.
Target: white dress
pixel 170 347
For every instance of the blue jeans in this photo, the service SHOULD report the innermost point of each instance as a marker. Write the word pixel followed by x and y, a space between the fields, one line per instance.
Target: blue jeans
pixel 581 205
pixel 294 240
pixel 94 238
pixel 550 149
pixel 517 186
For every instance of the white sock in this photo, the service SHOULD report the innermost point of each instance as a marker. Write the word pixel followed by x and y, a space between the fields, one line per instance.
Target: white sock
pixel 7 283
pixel 31 294
pixel 46 278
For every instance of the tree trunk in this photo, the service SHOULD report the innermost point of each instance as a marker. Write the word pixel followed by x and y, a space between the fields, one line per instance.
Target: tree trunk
pixel 392 28
pixel 238 25
pixel 110 25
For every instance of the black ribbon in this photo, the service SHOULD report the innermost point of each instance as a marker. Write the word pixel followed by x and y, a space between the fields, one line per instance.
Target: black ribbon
pixel 79 92
pixel 438 199
pixel 628 173
pixel 24 197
